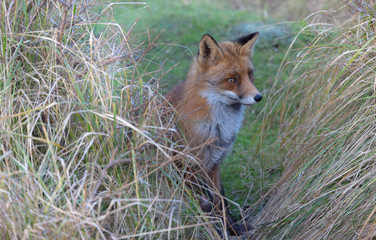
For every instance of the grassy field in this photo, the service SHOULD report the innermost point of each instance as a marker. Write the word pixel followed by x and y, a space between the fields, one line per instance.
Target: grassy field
pixel 86 149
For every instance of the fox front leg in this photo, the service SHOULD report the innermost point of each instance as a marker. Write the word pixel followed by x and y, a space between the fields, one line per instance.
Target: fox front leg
pixel 221 206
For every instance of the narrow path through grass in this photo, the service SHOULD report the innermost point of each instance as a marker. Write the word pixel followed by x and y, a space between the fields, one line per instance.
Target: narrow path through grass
pixel 246 173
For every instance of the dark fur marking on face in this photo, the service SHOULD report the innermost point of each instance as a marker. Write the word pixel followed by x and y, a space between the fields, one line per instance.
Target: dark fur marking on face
pixel 235 106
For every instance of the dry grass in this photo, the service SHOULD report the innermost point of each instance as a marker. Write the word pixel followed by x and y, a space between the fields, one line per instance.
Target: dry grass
pixel 326 113
pixel 85 144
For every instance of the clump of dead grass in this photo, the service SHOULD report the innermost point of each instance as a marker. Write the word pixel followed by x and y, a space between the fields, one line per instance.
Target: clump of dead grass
pixel 85 141
pixel 326 113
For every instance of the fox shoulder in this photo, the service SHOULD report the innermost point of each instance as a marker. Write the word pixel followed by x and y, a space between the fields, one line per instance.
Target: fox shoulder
pixel 176 94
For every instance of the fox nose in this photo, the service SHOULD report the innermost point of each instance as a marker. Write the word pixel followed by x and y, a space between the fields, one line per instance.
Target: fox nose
pixel 258 97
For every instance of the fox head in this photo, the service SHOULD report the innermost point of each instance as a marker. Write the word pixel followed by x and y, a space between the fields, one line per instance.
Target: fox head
pixel 226 70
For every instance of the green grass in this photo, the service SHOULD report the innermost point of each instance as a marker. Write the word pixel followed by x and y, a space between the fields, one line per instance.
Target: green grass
pixel 183 25
pixel 247 173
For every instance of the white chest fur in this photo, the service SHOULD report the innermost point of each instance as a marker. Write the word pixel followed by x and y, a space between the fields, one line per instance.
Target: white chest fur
pixel 223 125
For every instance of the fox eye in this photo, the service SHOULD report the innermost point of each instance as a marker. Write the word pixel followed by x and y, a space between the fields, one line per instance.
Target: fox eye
pixel 232 80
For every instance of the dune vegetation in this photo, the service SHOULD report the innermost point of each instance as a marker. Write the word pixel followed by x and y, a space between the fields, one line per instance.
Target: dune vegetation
pixel 86 141
pixel 326 116
pixel 84 152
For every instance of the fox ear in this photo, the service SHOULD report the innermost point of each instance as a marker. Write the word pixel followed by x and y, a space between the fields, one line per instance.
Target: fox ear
pixel 247 43
pixel 209 51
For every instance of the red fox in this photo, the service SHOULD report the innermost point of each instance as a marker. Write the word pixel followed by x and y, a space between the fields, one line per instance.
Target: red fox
pixel 210 106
